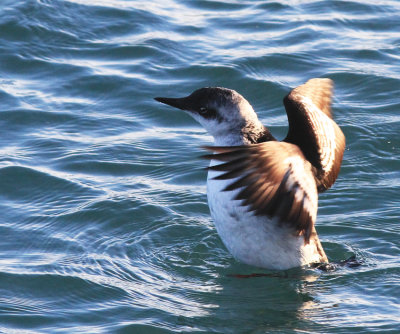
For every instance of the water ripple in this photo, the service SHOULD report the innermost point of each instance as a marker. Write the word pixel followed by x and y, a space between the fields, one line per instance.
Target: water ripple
pixel 105 225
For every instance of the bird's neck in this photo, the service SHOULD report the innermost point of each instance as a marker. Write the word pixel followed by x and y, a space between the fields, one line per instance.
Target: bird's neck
pixel 250 134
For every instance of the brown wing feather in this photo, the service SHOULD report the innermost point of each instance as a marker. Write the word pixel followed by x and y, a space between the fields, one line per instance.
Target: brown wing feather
pixel 274 180
pixel 320 91
pixel 312 128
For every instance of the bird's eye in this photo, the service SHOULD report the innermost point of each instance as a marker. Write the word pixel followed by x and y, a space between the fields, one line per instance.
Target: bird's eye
pixel 207 112
pixel 203 110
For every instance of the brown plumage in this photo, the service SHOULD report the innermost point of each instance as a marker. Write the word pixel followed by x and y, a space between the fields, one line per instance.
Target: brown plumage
pixel 319 137
pixel 280 179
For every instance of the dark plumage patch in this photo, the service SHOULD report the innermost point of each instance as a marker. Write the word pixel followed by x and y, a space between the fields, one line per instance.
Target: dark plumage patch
pixel 204 101
pixel 253 136
pixel 318 136
pixel 274 180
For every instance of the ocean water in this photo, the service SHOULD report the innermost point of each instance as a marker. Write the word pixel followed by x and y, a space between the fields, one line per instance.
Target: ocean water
pixel 104 221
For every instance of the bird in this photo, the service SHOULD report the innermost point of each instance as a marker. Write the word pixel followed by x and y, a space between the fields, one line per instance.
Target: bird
pixel 263 193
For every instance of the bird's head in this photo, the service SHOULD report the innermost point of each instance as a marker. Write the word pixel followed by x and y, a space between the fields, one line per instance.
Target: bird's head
pixel 222 112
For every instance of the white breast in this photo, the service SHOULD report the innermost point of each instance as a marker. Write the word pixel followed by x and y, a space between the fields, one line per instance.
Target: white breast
pixel 255 240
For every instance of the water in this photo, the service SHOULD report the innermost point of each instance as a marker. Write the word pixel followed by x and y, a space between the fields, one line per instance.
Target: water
pixel 104 224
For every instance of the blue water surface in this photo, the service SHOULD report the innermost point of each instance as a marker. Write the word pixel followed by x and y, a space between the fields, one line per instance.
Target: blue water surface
pixel 105 226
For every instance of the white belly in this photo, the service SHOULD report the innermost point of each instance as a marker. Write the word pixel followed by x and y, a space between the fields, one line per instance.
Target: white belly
pixel 255 240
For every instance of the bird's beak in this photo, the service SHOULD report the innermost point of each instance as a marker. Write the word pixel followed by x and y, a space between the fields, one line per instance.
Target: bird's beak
pixel 180 103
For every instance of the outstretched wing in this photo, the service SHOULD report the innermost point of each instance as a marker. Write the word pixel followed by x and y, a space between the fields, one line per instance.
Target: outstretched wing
pixel 274 179
pixel 312 128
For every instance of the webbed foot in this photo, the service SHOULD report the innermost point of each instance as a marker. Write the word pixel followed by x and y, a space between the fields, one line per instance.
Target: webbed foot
pixel 351 262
